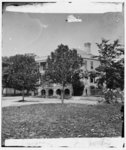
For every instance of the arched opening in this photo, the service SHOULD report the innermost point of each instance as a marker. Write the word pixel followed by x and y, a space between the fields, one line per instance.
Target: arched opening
pixel 50 92
pixel 58 92
pixel 43 92
pixel 67 92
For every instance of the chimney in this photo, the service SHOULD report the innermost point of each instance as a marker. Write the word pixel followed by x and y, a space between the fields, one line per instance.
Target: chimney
pixel 87 47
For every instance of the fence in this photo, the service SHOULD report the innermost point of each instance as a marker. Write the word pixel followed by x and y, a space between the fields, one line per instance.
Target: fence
pixel 97 92
pixel 11 92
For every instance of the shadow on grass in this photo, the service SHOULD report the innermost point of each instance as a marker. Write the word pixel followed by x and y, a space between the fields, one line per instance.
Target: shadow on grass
pixel 26 101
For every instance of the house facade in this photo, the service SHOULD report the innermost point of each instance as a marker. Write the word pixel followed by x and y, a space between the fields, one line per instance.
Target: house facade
pixel 54 90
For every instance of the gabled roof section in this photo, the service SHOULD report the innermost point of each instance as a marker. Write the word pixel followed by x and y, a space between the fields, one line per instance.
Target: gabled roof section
pixel 84 54
pixel 41 58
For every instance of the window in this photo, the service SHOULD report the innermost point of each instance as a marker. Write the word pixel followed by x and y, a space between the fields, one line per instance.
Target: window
pixel 91 80
pixel 85 63
pixel 43 65
pixel 91 64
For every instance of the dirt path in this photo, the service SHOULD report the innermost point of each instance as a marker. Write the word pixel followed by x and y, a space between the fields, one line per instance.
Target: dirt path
pixel 14 101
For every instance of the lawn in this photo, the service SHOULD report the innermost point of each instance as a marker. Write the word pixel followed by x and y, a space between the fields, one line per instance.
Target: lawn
pixel 56 120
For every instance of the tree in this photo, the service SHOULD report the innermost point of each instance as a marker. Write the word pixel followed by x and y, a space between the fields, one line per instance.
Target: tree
pixel 5 72
pixel 111 69
pixel 23 73
pixel 62 64
pixel 77 83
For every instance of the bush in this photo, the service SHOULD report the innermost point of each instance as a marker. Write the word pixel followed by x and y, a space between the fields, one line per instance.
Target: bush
pixel 112 95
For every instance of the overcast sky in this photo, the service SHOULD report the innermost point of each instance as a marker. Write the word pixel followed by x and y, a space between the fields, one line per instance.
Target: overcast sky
pixel 42 33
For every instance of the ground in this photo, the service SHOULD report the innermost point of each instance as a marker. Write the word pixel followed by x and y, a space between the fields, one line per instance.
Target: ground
pixel 56 120
pixel 14 101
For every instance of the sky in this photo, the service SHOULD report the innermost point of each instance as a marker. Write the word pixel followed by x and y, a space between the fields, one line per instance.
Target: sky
pixel 41 33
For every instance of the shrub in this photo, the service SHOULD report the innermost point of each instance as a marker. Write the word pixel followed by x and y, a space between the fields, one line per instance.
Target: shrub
pixel 112 95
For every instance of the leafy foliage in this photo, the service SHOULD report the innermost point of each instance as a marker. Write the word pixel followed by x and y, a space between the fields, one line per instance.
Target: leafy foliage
pixel 112 96
pixel 77 83
pixel 23 73
pixel 5 72
pixel 111 69
pixel 62 65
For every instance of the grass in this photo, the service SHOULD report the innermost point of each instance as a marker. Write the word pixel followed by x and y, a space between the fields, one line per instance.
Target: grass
pixel 56 120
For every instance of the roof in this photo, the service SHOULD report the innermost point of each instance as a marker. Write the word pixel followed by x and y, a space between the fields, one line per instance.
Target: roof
pixel 41 58
pixel 82 53
pixel 86 55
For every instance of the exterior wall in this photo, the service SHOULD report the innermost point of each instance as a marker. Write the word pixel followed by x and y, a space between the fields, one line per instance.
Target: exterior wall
pixel 87 66
pixel 96 63
pixel 87 81
pixel 54 90
pixel 87 57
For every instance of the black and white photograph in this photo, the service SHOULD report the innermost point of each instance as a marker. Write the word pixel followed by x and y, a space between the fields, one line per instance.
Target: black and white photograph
pixel 62 80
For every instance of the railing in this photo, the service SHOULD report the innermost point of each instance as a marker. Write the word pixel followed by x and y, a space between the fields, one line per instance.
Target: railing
pixel 97 92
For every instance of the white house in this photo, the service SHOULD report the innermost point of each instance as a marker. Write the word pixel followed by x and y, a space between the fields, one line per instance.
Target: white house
pixel 89 64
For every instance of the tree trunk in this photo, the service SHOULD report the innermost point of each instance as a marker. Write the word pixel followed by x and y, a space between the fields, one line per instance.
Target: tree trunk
pixel 6 91
pixel 2 91
pixel 23 95
pixel 14 92
pixel 62 95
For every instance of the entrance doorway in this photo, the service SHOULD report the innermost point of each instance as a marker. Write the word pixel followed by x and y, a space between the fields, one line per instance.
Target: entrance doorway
pixel 58 92
pixel 67 92
pixel 43 92
pixel 78 89
pixel 50 92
